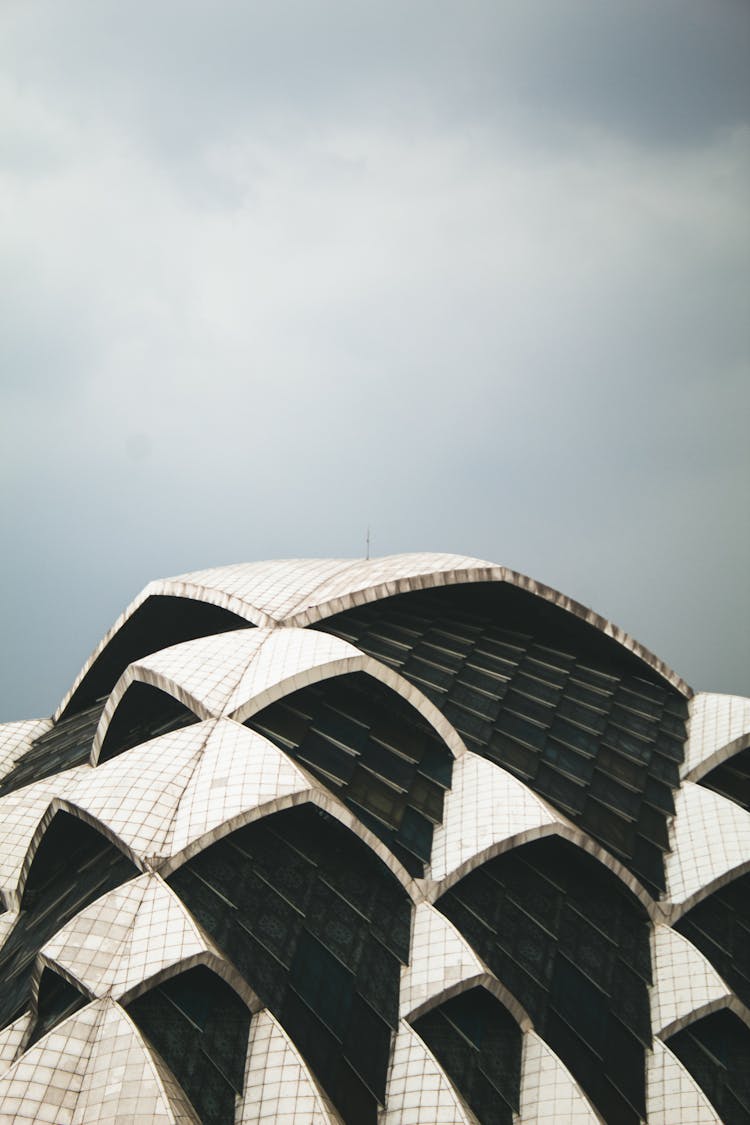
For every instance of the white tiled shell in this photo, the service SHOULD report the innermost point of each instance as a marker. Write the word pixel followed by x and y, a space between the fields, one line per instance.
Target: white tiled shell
pixel 134 937
pixel 24 814
pixel 439 958
pixel 685 984
pixel 673 1097
pixel 301 591
pixel 16 739
pixel 11 1038
pixel 719 726
pixel 171 793
pixel 710 845
pixel 418 1091
pixel 485 810
pixel 549 1093
pixel 278 1084
pixel 91 1069
pixel 237 674
pixel 442 964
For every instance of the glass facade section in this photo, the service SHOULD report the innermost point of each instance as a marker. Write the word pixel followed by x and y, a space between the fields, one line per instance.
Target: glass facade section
pixel 573 948
pixel 320 929
pixel 73 866
pixel 374 751
pixel 478 1044
pixel 584 723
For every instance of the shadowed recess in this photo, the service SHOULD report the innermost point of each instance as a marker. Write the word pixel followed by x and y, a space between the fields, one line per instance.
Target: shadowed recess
pixel 716 1051
pixel 143 713
pixel 320 929
pixel 719 926
pixel 67 744
pixel 200 1027
pixel 57 999
pixel 732 779
pixel 159 622
pixel 374 751
pixel 570 943
pixel 74 865
pixel 478 1044
pixel 577 717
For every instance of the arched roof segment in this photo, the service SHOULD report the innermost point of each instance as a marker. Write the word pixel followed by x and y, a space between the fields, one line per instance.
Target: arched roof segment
pixel 719 727
pixel 237 674
pixel 710 846
pixel 304 591
pixel 489 812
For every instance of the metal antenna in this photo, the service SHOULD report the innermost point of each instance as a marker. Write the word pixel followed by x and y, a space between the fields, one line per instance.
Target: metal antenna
pixel 367 542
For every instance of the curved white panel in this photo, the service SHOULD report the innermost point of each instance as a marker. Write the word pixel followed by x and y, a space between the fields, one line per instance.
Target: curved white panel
pixel 24 815
pixel 131 939
pixel 549 1093
pixel 710 846
pixel 485 808
pixel 418 1091
pixel 439 958
pixel 719 727
pixel 278 1084
pixel 68 1077
pixel 685 983
pixel 672 1094
pixel 239 673
pixel 165 794
pixel 11 1038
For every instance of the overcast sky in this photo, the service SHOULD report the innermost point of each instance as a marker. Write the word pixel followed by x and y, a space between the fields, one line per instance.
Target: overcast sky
pixel 473 273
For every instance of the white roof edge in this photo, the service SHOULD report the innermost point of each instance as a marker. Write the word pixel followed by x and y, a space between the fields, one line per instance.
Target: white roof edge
pixel 474 570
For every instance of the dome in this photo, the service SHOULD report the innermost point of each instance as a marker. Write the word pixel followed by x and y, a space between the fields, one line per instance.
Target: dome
pixel 410 839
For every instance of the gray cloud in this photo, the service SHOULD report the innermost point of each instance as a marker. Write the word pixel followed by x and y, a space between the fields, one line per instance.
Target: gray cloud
pixel 478 279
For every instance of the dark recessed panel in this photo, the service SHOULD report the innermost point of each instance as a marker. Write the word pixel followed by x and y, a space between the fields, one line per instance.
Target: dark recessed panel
pixel 478 1044
pixel 732 779
pixel 374 751
pixel 200 1027
pixel 572 945
pixel 720 927
pixel 67 744
pixel 144 713
pixel 57 999
pixel 159 622
pixel 74 865
pixel 581 720
pixel 320 929
pixel 716 1051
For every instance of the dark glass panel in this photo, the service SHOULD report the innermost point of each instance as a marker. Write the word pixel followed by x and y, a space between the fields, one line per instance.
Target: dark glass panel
pixel 320 929
pixel 478 1044
pixel 57 999
pixel 144 713
pixel 200 1027
pixel 374 750
pixel 572 945
pixel 540 692
pixel 73 866
pixel 720 927
pixel 158 623
pixel 716 1051
pixel 67 744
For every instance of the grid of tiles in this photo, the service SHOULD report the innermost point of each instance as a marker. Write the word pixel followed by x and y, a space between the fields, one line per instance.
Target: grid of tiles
pixel 273 965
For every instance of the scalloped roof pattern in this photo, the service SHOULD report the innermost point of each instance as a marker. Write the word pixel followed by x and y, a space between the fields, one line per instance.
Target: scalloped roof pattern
pixel 167 800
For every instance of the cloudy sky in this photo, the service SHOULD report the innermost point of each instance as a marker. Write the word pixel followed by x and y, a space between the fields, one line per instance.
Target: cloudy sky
pixel 473 273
